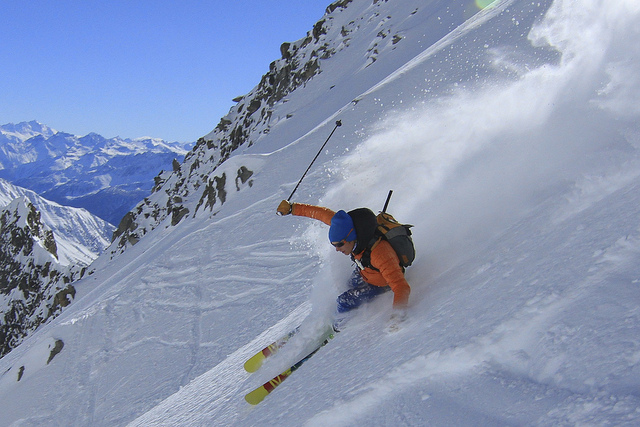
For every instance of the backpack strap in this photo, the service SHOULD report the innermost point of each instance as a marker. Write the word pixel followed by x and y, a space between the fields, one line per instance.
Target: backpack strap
pixel 365 260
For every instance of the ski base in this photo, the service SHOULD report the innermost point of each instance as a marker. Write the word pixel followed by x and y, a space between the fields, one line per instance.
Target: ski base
pixel 255 362
pixel 258 395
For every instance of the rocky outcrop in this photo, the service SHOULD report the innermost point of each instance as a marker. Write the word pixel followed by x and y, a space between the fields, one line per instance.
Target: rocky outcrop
pixel 33 285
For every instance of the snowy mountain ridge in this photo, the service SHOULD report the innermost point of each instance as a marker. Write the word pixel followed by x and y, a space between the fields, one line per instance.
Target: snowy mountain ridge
pixel 199 187
pixel 21 132
pixel 511 142
pixel 45 247
pixel 105 176
pixel 81 236
pixel 34 285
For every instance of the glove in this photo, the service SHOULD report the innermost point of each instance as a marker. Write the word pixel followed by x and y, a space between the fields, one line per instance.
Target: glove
pixel 284 208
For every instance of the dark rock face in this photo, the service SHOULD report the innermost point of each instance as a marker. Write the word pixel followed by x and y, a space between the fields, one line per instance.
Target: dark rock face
pixel 33 285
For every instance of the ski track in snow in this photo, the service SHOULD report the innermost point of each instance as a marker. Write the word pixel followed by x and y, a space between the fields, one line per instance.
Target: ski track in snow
pixel 472 23
pixel 213 395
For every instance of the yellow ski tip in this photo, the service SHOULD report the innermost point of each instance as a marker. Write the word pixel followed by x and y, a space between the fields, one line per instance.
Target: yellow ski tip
pixel 256 396
pixel 253 364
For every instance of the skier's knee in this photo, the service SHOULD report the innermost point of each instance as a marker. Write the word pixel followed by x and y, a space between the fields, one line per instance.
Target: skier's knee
pixel 345 302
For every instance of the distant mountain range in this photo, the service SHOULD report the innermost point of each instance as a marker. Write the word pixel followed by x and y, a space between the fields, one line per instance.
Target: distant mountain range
pixel 105 176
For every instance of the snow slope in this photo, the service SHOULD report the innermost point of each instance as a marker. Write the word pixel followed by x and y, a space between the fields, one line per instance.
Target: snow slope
pixel 511 142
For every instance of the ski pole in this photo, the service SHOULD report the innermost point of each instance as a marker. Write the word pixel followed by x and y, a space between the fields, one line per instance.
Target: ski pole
pixel 386 204
pixel 338 124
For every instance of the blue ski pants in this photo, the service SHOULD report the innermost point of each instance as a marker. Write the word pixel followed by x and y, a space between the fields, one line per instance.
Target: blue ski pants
pixel 359 292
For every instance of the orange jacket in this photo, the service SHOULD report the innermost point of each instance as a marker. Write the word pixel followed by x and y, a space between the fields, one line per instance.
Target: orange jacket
pixel 383 257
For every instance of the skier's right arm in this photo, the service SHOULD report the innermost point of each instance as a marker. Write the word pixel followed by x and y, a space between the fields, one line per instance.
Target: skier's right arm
pixel 310 211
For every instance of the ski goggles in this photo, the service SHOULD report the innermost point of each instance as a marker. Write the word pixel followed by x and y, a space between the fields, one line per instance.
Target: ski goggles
pixel 342 242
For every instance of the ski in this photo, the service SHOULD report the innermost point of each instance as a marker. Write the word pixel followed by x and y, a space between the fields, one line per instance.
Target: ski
pixel 256 396
pixel 255 362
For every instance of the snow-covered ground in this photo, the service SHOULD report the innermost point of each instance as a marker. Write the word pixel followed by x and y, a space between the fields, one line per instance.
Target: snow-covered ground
pixel 511 142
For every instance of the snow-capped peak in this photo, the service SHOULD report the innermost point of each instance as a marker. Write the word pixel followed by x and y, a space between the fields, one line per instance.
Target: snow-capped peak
pixel 26 130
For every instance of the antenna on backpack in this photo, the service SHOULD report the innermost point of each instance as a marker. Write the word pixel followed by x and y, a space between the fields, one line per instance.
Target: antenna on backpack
pixel 386 204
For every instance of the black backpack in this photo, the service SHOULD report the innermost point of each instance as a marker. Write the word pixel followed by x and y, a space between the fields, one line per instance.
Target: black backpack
pixel 371 227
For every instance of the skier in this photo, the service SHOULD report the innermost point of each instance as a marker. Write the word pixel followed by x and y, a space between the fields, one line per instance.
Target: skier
pixel 378 268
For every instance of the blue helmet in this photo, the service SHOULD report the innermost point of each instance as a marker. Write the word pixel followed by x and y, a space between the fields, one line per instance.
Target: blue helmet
pixel 342 228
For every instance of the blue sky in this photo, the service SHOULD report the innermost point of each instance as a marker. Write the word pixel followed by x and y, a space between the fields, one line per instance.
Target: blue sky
pixel 161 68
